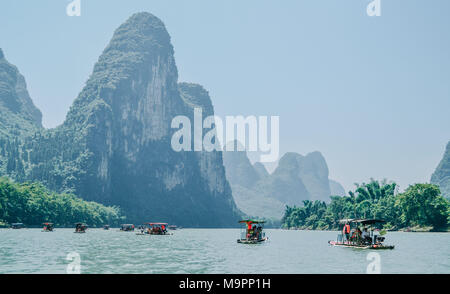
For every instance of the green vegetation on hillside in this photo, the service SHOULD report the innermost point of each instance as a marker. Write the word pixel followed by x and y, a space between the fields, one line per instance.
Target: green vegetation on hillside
pixel 32 204
pixel 421 205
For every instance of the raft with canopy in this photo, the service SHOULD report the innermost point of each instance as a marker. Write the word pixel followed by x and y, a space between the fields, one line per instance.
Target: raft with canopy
pixel 252 232
pixel 127 227
pixel 157 229
pixel 48 227
pixel 17 226
pixel 80 227
pixel 372 238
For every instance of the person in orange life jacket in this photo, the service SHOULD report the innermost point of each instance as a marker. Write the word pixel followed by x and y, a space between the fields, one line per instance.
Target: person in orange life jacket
pixel 249 230
pixel 346 231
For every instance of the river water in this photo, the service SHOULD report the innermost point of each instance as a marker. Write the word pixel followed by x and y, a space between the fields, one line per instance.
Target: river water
pixel 197 251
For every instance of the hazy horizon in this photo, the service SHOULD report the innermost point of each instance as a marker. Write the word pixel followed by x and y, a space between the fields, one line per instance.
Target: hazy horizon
pixel 370 93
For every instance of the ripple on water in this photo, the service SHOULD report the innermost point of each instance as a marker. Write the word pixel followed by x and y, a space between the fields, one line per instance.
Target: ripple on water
pixel 213 251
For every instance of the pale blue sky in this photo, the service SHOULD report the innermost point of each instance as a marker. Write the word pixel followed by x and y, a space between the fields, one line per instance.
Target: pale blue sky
pixel 371 93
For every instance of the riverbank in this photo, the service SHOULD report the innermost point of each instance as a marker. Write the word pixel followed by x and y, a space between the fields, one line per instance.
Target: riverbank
pixel 416 229
pixel 420 208
pixel 32 204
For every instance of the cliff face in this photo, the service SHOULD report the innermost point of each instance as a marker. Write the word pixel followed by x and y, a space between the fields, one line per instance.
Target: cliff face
pixel 336 189
pixel 18 114
pixel 261 170
pixel 245 180
pixel 285 183
pixel 239 170
pixel 115 144
pixel 441 175
pixel 296 178
pixel 313 171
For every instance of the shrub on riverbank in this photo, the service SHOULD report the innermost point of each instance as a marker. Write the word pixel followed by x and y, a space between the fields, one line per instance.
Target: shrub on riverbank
pixel 420 206
pixel 33 204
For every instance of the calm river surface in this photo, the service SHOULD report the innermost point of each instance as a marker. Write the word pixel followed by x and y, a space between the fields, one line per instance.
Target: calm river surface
pixel 214 251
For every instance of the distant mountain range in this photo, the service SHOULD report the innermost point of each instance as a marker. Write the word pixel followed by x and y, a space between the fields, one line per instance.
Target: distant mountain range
pixel 115 145
pixel 441 175
pixel 297 178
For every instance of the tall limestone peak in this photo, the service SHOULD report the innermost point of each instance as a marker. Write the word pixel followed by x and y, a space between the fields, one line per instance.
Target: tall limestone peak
pixel 314 174
pixel 115 145
pixel 239 169
pixel 314 162
pixel 288 162
pixel 18 114
pixel 286 183
pixel 126 108
pixel 249 186
pixel 142 39
pixel 310 170
pixel 139 58
pixel 441 175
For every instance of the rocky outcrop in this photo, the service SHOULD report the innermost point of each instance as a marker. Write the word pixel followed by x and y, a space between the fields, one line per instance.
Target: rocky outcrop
pixel 441 175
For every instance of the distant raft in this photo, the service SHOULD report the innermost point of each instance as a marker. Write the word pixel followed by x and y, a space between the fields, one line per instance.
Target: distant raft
pixel 157 229
pixel 80 228
pixel 127 227
pixel 48 227
pixel 17 226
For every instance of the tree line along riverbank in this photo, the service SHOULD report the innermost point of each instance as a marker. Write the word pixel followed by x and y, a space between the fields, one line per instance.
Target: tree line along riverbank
pixel 419 208
pixel 33 204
